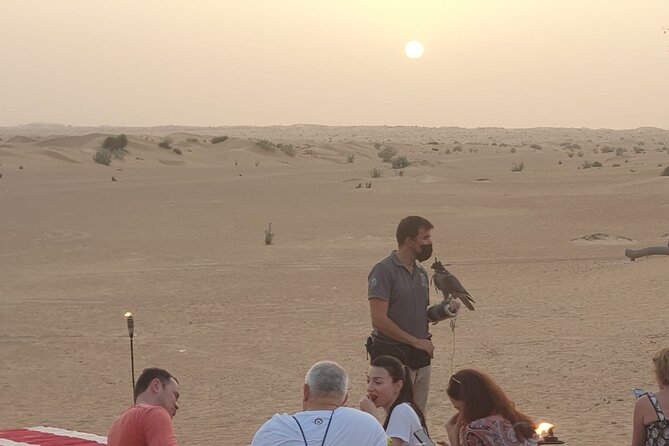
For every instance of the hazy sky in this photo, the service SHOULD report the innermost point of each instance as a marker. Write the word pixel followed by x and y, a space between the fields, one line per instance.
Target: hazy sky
pixel 510 63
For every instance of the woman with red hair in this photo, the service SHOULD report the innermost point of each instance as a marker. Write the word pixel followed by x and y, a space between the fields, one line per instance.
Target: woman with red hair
pixel 486 416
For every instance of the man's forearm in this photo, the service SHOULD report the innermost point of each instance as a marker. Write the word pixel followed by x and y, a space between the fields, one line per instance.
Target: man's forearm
pixel 392 330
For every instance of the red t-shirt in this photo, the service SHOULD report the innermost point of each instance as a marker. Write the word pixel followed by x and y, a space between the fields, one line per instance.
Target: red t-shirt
pixel 142 425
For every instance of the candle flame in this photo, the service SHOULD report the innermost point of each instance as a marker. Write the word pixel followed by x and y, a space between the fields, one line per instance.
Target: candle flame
pixel 128 314
pixel 543 429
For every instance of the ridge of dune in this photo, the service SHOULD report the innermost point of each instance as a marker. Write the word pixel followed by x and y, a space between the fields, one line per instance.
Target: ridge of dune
pixel 22 139
pixel 71 141
pixel 59 156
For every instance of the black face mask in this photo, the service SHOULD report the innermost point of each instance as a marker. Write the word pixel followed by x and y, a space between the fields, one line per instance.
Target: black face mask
pixel 425 253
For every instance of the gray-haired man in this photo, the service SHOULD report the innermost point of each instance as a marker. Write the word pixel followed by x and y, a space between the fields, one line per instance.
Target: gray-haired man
pixel 324 420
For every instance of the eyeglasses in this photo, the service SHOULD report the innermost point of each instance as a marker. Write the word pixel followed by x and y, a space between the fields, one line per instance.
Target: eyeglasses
pixel 455 380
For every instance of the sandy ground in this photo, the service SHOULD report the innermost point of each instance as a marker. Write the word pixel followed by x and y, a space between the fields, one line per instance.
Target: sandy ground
pixel 567 326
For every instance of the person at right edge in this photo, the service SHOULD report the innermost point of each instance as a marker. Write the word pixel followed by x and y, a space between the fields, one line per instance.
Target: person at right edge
pixel 399 294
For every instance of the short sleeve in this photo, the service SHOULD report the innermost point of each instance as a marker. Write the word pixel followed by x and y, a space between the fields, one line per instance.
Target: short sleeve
pixel 471 439
pixel 259 439
pixel 400 423
pixel 379 282
pixel 158 428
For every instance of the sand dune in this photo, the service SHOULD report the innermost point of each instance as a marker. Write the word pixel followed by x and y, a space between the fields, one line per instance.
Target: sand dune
pixel 59 156
pixel 563 321
pixel 20 139
pixel 72 141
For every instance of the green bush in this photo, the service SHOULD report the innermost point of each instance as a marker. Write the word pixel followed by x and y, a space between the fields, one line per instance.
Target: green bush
pixel 177 151
pixel 665 172
pixel 376 172
pixel 536 146
pixel 266 145
pixel 350 158
pixel 114 143
pixel 165 144
pixel 517 167
pixel 387 153
pixel 607 149
pixel 103 156
pixel 288 149
pixel 587 164
pixel 217 139
pixel 400 162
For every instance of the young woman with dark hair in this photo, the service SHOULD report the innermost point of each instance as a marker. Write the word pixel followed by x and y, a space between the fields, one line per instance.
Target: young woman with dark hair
pixel 389 386
pixel 486 416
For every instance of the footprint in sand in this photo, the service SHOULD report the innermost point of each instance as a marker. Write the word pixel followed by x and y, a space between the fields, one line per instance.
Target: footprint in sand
pixel 61 236
pixel 603 238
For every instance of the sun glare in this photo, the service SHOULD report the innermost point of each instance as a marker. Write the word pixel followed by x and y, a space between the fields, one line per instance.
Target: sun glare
pixel 414 49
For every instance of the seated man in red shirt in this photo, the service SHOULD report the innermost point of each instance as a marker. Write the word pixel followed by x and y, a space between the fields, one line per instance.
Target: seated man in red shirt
pixel 148 422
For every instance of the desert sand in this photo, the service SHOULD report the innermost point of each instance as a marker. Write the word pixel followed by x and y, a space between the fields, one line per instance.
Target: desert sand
pixel 564 322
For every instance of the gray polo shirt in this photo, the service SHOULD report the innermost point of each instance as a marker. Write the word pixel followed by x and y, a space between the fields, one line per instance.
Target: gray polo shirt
pixel 408 294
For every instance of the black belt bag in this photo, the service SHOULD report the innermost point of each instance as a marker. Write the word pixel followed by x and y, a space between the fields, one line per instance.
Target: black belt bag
pixel 414 358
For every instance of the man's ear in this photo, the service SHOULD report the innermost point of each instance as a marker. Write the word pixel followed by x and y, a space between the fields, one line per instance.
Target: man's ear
pixel 305 393
pixel 343 403
pixel 156 385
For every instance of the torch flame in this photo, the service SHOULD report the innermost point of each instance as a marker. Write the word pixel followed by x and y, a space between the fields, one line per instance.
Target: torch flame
pixel 128 314
pixel 543 429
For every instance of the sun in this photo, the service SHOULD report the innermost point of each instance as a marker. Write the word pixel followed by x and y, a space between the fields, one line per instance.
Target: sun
pixel 414 49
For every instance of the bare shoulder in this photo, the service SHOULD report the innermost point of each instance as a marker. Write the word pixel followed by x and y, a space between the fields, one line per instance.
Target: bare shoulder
pixel 643 410
pixel 643 403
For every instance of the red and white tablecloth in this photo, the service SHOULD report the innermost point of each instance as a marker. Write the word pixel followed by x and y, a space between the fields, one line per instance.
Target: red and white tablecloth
pixel 48 436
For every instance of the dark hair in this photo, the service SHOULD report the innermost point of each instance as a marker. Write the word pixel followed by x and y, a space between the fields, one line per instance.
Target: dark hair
pixel 409 227
pixel 483 397
pixel 399 371
pixel 149 375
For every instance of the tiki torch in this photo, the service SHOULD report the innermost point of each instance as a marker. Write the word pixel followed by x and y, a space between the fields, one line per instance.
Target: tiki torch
pixel 545 433
pixel 131 334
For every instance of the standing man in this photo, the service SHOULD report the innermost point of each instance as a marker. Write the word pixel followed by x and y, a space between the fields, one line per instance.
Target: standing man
pixel 148 422
pixel 324 421
pixel 399 294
